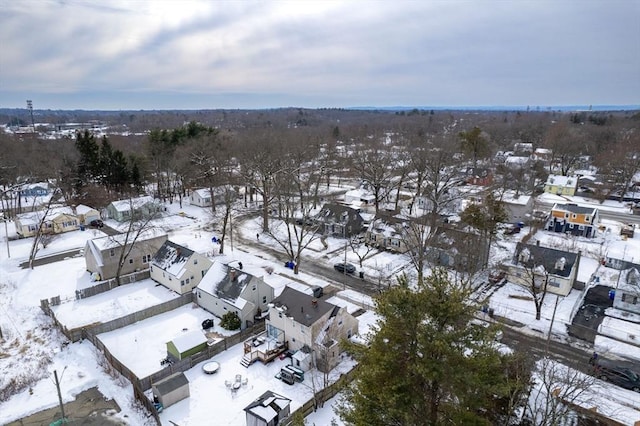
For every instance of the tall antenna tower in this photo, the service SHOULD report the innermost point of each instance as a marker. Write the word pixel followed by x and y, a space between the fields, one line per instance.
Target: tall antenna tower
pixel 30 108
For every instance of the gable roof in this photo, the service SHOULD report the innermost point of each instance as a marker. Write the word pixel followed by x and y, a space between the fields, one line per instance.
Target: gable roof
pixel 172 258
pixel 550 259
pixel 135 203
pixel 189 340
pixel 171 383
pixel 574 208
pixel 226 282
pixel 335 212
pixel 33 218
pixel 267 406
pixel 560 180
pixel 303 308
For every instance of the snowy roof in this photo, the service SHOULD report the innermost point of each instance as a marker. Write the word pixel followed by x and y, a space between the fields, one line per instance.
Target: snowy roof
pixel 82 209
pixel 226 282
pixel 113 241
pixel 136 203
pixel 556 262
pixel 562 180
pixel 516 160
pixel 36 217
pixel 171 383
pixel 510 198
pixel 267 406
pixel 363 194
pixel 574 208
pixel 172 258
pixel 203 192
pixel 189 340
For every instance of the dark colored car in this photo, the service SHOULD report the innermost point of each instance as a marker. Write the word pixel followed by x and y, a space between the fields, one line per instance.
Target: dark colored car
pixel 207 324
pixel 96 223
pixel 618 374
pixel 497 276
pixel 513 229
pixel 344 267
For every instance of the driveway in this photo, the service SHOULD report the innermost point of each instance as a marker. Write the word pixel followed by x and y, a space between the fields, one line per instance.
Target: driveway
pixel 590 315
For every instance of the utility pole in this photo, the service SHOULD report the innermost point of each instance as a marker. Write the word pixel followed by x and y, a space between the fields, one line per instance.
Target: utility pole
pixel 6 236
pixel 55 374
pixel 553 317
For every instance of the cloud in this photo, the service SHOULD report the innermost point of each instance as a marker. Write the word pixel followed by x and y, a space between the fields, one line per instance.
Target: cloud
pixel 357 53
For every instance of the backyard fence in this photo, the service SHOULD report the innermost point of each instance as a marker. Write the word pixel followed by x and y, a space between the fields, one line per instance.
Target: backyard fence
pixel 110 284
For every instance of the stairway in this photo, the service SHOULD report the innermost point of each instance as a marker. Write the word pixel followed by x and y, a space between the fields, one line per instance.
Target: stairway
pixel 246 361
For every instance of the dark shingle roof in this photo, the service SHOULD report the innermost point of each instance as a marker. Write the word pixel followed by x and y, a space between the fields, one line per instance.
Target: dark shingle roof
pixel 303 308
pixel 547 257
pixel 170 253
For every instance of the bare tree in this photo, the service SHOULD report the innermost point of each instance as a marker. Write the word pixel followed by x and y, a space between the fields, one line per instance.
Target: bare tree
pixel 374 164
pixel 42 227
pixel 556 389
pixel 535 275
pixel 138 225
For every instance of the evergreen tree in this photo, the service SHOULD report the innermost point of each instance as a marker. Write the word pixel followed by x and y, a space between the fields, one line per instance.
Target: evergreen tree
pixel 88 165
pixel 425 364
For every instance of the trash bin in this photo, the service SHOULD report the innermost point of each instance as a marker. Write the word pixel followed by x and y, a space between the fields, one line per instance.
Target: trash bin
pixel 361 275
pixel 491 312
pixel 82 227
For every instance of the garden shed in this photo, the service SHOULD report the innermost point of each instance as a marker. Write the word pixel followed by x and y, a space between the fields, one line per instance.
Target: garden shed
pixel 171 389
pixel 187 344
pixel 270 409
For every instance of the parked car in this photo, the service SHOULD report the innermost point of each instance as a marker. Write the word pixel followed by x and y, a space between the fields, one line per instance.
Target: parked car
pixel 96 223
pixel 344 267
pixel 317 292
pixel 513 229
pixel 207 324
pixel 617 373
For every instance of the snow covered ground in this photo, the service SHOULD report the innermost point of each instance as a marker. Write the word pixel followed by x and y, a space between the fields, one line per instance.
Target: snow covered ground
pixel 34 348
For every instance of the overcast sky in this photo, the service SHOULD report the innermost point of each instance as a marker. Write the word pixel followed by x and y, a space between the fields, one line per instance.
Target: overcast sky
pixel 163 54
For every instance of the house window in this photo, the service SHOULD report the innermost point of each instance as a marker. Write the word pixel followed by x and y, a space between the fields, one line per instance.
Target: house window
pixel 554 283
pixel 130 261
pixel 191 277
pixel 624 297
pixel 573 216
pixel 581 227
pixel 182 282
pixel 571 226
pixel 195 261
pixel 587 218
pixel 163 275
pixel 264 299
pixel 635 300
pixel 151 269
pixel 566 215
pixel 187 280
pixel 254 288
pixel 112 252
pixel 199 295
pixel 293 339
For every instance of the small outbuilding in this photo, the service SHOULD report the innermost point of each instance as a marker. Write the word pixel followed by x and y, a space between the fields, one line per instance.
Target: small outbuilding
pixel 186 345
pixel 171 389
pixel 270 409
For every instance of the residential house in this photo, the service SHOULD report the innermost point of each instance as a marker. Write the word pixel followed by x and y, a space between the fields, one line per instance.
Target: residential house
pixel 178 268
pixel 103 254
pixel 522 148
pixel 171 389
pixel 141 207
pixel 481 176
pixel 86 214
pixel 459 249
pixel 56 221
pixel 561 185
pixel 519 207
pixel 311 325
pixel 232 288
pixel 573 219
pixel 202 197
pixel 517 162
pixel 338 220
pixel 270 409
pixel 539 263
pixel 39 189
pixel 360 197
pixel 386 232
pixel 543 155
pixel 627 295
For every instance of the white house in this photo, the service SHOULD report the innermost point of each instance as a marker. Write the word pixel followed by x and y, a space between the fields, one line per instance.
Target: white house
pixel 86 214
pixel 519 208
pixel 178 268
pixel 200 197
pixel 232 288
pixel 627 295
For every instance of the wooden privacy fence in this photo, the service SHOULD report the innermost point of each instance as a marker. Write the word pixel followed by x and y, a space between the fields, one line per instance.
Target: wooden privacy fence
pixel 110 284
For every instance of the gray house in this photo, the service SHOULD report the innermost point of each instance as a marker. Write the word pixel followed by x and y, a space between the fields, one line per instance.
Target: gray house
pixel 141 207
pixel 340 221
pixel 270 409
pixel 519 208
pixel 171 389
pixel 628 292
pixel 102 255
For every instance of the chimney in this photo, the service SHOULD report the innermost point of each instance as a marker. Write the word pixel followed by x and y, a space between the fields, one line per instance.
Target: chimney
pixel 232 274
pixel 314 303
